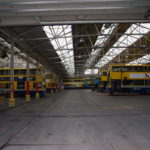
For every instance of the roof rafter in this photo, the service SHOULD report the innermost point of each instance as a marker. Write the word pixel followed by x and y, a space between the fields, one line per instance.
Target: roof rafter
pixel 83 45
pixel 132 53
pixel 118 31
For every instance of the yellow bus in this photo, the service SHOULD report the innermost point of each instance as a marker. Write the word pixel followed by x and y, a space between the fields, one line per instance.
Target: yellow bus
pixel 73 83
pixel 103 81
pixel 20 78
pixel 129 78
pixel 89 83
pixel 78 83
pixel 51 83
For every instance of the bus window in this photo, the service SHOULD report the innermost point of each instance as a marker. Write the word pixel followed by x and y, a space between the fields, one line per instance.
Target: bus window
pixel 125 68
pixel 7 79
pixel 7 72
pixel 7 85
pixel 32 78
pixel 15 78
pixel 129 68
pixel 65 80
pixel 138 68
pixel 23 72
pixel 32 71
pixel 147 82
pixel 128 82
pixel 138 82
pixel 104 73
pixel 116 68
pixel 21 82
pixel 4 79
pixel 16 72
pixel 125 81
pixel 2 72
pixel 145 68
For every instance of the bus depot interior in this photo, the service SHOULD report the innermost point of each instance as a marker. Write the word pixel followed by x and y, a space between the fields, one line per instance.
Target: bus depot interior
pixel 75 75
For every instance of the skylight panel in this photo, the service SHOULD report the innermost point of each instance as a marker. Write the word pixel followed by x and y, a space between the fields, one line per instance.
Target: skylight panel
pixel 100 41
pixel 19 58
pixel 61 39
pixel 143 60
pixel 131 36
pixel 91 71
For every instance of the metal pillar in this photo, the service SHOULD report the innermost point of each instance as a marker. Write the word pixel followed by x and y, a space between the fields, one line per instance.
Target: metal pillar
pixel 37 96
pixel 12 99
pixel 44 72
pixel 27 82
pixel 53 84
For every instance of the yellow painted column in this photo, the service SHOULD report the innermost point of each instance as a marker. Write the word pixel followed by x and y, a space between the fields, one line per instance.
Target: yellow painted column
pixel 37 96
pixel 28 91
pixel 27 83
pixel 12 101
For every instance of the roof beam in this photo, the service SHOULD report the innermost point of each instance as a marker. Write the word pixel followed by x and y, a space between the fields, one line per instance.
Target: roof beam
pixel 132 53
pixel 39 2
pixel 83 45
pixel 48 12
pixel 24 46
pixel 119 30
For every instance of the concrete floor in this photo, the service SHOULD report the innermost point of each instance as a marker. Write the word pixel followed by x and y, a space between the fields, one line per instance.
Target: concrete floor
pixel 78 120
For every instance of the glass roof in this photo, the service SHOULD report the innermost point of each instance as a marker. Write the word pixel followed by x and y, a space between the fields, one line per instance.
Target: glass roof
pixel 143 60
pixel 91 71
pixel 61 38
pixel 125 41
pixel 100 42
pixel 19 57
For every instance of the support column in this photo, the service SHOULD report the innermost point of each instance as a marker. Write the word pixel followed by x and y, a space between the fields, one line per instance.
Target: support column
pixel 37 83
pixel 27 82
pixel 44 81
pixel 56 87
pixel 52 87
pixel 12 99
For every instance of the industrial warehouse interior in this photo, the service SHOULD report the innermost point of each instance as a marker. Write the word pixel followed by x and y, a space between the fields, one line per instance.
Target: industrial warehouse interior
pixel 74 75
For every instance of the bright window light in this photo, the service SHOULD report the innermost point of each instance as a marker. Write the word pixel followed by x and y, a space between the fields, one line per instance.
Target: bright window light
pixel 143 60
pixel 19 59
pixel 61 39
pixel 91 71
pixel 124 41
pixel 100 42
